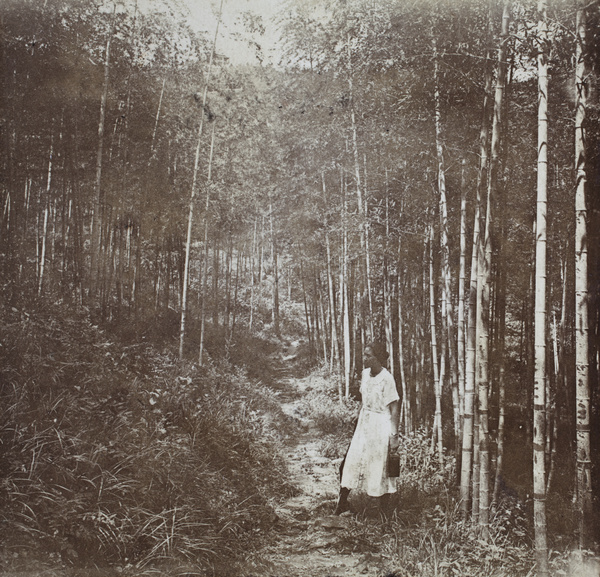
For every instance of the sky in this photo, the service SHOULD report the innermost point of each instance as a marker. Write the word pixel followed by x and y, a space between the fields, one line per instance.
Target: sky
pixel 203 16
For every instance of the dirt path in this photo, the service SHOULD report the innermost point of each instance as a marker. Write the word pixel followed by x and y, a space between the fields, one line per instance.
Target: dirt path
pixel 311 541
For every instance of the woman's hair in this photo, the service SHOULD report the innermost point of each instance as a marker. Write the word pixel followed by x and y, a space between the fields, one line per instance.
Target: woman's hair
pixel 379 351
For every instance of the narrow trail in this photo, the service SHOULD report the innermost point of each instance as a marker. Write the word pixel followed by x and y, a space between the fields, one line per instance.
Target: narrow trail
pixel 310 540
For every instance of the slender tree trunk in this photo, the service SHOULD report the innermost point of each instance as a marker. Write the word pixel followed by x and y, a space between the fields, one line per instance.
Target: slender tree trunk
pixel 321 312
pixel 105 249
pixel 539 390
pixel 389 335
pixel 153 145
pixel 437 374
pixel 406 396
pixel 188 244
pixel 98 195
pixel 78 264
pixel 502 274
pixel 420 375
pixel 275 275
pixel 334 350
pixel 362 285
pixel 559 401
pixel 476 467
pixel 235 295
pixel 136 276
pixel 123 226
pixel 552 418
pixel 368 269
pixel 406 401
pixel 344 293
pixel 484 269
pixel 357 345
pixel 432 323
pixel 25 220
pixel 228 280
pixel 65 219
pixel 584 474
pixel 6 214
pixel 501 315
pixel 216 258
pixel 332 307
pixel 567 404
pixel 305 301
pixel 529 331
pixel 53 211
pixel 158 267
pixel 501 418
pixel 205 258
pixel 461 301
pixel 168 273
pixel 314 313
pixel 252 273
pixel 45 226
pixel 469 443
pixel 261 254
pixel 423 342
pixel 482 371
pixel 448 341
pixel 111 258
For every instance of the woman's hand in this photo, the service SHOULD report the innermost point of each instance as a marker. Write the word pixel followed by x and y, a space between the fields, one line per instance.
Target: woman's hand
pixel 394 442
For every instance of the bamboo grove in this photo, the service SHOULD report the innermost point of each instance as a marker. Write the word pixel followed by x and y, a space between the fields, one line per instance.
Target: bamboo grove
pixel 423 173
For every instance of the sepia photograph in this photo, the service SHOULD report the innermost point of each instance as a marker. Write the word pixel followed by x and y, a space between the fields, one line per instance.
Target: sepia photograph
pixel 299 288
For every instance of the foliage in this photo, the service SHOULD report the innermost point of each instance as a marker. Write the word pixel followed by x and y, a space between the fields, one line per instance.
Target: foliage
pixel 118 454
pixel 444 545
pixel 423 532
pixel 334 419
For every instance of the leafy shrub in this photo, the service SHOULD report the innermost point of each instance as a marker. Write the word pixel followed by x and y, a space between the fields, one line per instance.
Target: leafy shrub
pixel 334 419
pixel 419 465
pixel 443 544
pixel 329 414
pixel 430 536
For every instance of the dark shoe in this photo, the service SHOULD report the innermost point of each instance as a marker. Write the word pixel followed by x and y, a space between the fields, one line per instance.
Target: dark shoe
pixel 341 507
pixel 342 502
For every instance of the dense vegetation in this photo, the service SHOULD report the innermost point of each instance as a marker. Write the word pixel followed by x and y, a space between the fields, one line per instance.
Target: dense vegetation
pixel 113 452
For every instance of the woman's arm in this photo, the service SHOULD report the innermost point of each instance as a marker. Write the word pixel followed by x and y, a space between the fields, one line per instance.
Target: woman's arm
pixel 393 407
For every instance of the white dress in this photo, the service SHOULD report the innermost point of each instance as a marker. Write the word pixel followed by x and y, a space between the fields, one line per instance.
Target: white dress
pixel 365 467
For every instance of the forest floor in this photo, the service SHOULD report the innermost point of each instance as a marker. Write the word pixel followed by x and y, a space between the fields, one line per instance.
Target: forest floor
pixel 308 539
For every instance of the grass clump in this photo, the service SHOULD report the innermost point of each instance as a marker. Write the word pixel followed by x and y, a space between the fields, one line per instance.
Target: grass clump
pixel 422 532
pixel 117 454
pixel 427 533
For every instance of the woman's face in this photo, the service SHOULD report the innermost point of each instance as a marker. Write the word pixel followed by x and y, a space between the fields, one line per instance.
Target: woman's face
pixel 370 360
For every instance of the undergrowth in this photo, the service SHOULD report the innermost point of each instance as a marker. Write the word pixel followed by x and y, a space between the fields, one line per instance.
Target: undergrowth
pixel 334 418
pixel 422 533
pixel 118 454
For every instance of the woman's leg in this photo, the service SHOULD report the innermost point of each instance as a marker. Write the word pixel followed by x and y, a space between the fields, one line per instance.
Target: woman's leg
pixel 384 501
pixel 342 503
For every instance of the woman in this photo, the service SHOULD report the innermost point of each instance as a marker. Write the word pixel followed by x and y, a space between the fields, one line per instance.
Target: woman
pixel 376 434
